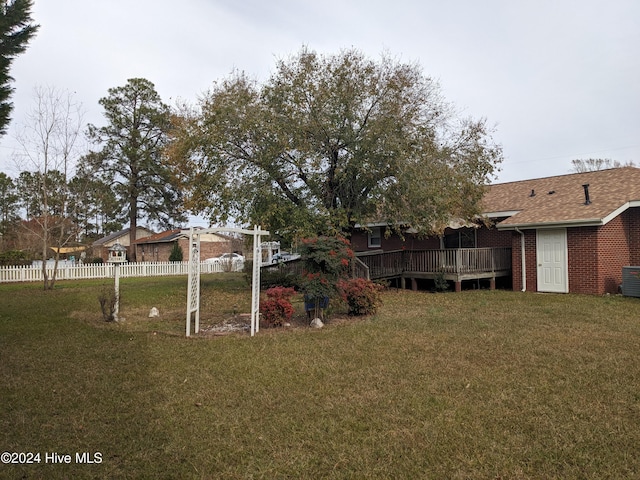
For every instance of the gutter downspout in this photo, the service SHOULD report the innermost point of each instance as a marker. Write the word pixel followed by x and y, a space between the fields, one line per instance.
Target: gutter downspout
pixel 524 260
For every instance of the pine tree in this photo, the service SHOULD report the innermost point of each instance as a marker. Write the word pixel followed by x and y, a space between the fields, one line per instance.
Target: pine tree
pixel 176 253
pixel 131 156
pixel 16 30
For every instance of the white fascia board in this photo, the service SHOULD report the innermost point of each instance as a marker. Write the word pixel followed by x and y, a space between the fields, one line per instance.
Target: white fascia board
pixel 507 213
pixel 595 222
pixel 615 213
pixel 371 225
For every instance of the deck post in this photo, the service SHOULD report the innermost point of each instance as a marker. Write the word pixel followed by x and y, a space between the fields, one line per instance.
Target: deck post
pixel 458 285
pixel 492 284
pixel 403 282
pixel 414 284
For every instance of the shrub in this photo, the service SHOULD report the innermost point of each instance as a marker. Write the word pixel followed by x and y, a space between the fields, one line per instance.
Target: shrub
pixel 279 275
pixel 14 257
pixel 107 300
pixel 326 260
pixel 440 283
pixel 362 296
pixel 276 310
pixel 176 254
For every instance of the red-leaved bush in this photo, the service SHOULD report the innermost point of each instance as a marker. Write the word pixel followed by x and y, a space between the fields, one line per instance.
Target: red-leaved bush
pixel 362 296
pixel 276 310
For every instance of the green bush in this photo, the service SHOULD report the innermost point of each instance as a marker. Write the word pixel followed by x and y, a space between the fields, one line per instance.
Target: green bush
pixel 363 297
pixel 440 283
pixel 176 254
pixel 13 258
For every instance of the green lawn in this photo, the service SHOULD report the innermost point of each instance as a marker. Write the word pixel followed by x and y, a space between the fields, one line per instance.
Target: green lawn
pixel 479 384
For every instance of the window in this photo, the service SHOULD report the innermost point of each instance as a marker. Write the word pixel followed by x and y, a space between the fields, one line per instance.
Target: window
pixel 461 238
pixel 375 237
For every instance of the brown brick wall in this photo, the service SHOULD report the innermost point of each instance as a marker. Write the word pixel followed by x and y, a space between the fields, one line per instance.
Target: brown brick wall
pixel 633 224
pixel 530 256
pixel 209 249
pixel 596 255
pixel 360 242
pixel 491 237
pixel 160 252
pixel 582 246
pixel 486 237
pixel 614 252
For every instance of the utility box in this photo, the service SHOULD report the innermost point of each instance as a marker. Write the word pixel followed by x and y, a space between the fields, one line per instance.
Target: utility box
pixel 631 281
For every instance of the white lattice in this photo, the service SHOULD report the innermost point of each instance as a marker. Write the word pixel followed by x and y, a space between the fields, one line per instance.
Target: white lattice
pixel 193 287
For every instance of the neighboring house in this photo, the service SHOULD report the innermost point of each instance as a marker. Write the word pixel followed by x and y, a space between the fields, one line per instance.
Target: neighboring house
pixel 157 247
pixel 101 246
pixel 569 233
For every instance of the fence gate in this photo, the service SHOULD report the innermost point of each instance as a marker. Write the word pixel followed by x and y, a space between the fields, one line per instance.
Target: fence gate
pixel 193 287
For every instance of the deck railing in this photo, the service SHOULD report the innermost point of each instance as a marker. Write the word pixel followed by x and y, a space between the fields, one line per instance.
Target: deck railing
pixel 359 269
pixel 459 261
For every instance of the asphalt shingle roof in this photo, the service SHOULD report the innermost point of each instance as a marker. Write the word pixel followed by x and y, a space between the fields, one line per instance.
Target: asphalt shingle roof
pixel 162 237
pixel 561 200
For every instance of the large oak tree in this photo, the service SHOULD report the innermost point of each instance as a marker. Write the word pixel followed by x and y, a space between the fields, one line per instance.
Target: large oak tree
pixel 331 141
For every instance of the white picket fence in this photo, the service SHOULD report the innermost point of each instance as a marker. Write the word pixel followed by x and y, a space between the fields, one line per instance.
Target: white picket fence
pixel 106 270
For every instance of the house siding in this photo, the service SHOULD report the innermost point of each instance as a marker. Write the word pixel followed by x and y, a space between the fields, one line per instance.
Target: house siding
pixel 530 260
pixel 596 255
pixel 633 226
pixel 492 238
pixel 161 251
pixel 360 243
pixel 486 237
pixel 582 246
pixel 101 250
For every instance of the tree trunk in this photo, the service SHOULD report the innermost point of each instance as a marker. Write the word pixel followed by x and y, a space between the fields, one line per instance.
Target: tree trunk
pixel 133 227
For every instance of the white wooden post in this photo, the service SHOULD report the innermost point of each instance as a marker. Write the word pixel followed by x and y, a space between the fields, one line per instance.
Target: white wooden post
pixel 255 283
pixel 193 287
pixel 116 274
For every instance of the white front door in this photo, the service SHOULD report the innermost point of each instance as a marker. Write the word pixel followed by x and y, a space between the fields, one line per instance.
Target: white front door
pixel 552 261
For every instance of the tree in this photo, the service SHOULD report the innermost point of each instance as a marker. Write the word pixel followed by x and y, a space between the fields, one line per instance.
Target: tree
pixel 28 194
pixel 16 30
pixel 9 204
pixel 329 142
pixel 131 157
pixel 176 254
pixel 595 164
pixel 50 141
pixel 95 204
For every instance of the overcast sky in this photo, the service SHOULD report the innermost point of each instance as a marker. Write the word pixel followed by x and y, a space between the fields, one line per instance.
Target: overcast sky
pixel 560 79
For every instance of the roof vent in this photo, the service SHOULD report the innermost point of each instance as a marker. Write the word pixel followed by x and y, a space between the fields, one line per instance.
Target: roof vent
pixel 587 200
pixel 533 193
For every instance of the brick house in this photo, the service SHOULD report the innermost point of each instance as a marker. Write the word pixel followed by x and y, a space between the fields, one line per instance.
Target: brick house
pixel 101 247
pixel 569 233
pixel 157 247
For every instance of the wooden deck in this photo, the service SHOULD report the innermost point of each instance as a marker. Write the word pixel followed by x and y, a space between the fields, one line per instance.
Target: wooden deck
pixel 455 265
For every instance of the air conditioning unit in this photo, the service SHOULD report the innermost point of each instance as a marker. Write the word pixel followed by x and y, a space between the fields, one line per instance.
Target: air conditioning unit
pixel 631 281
